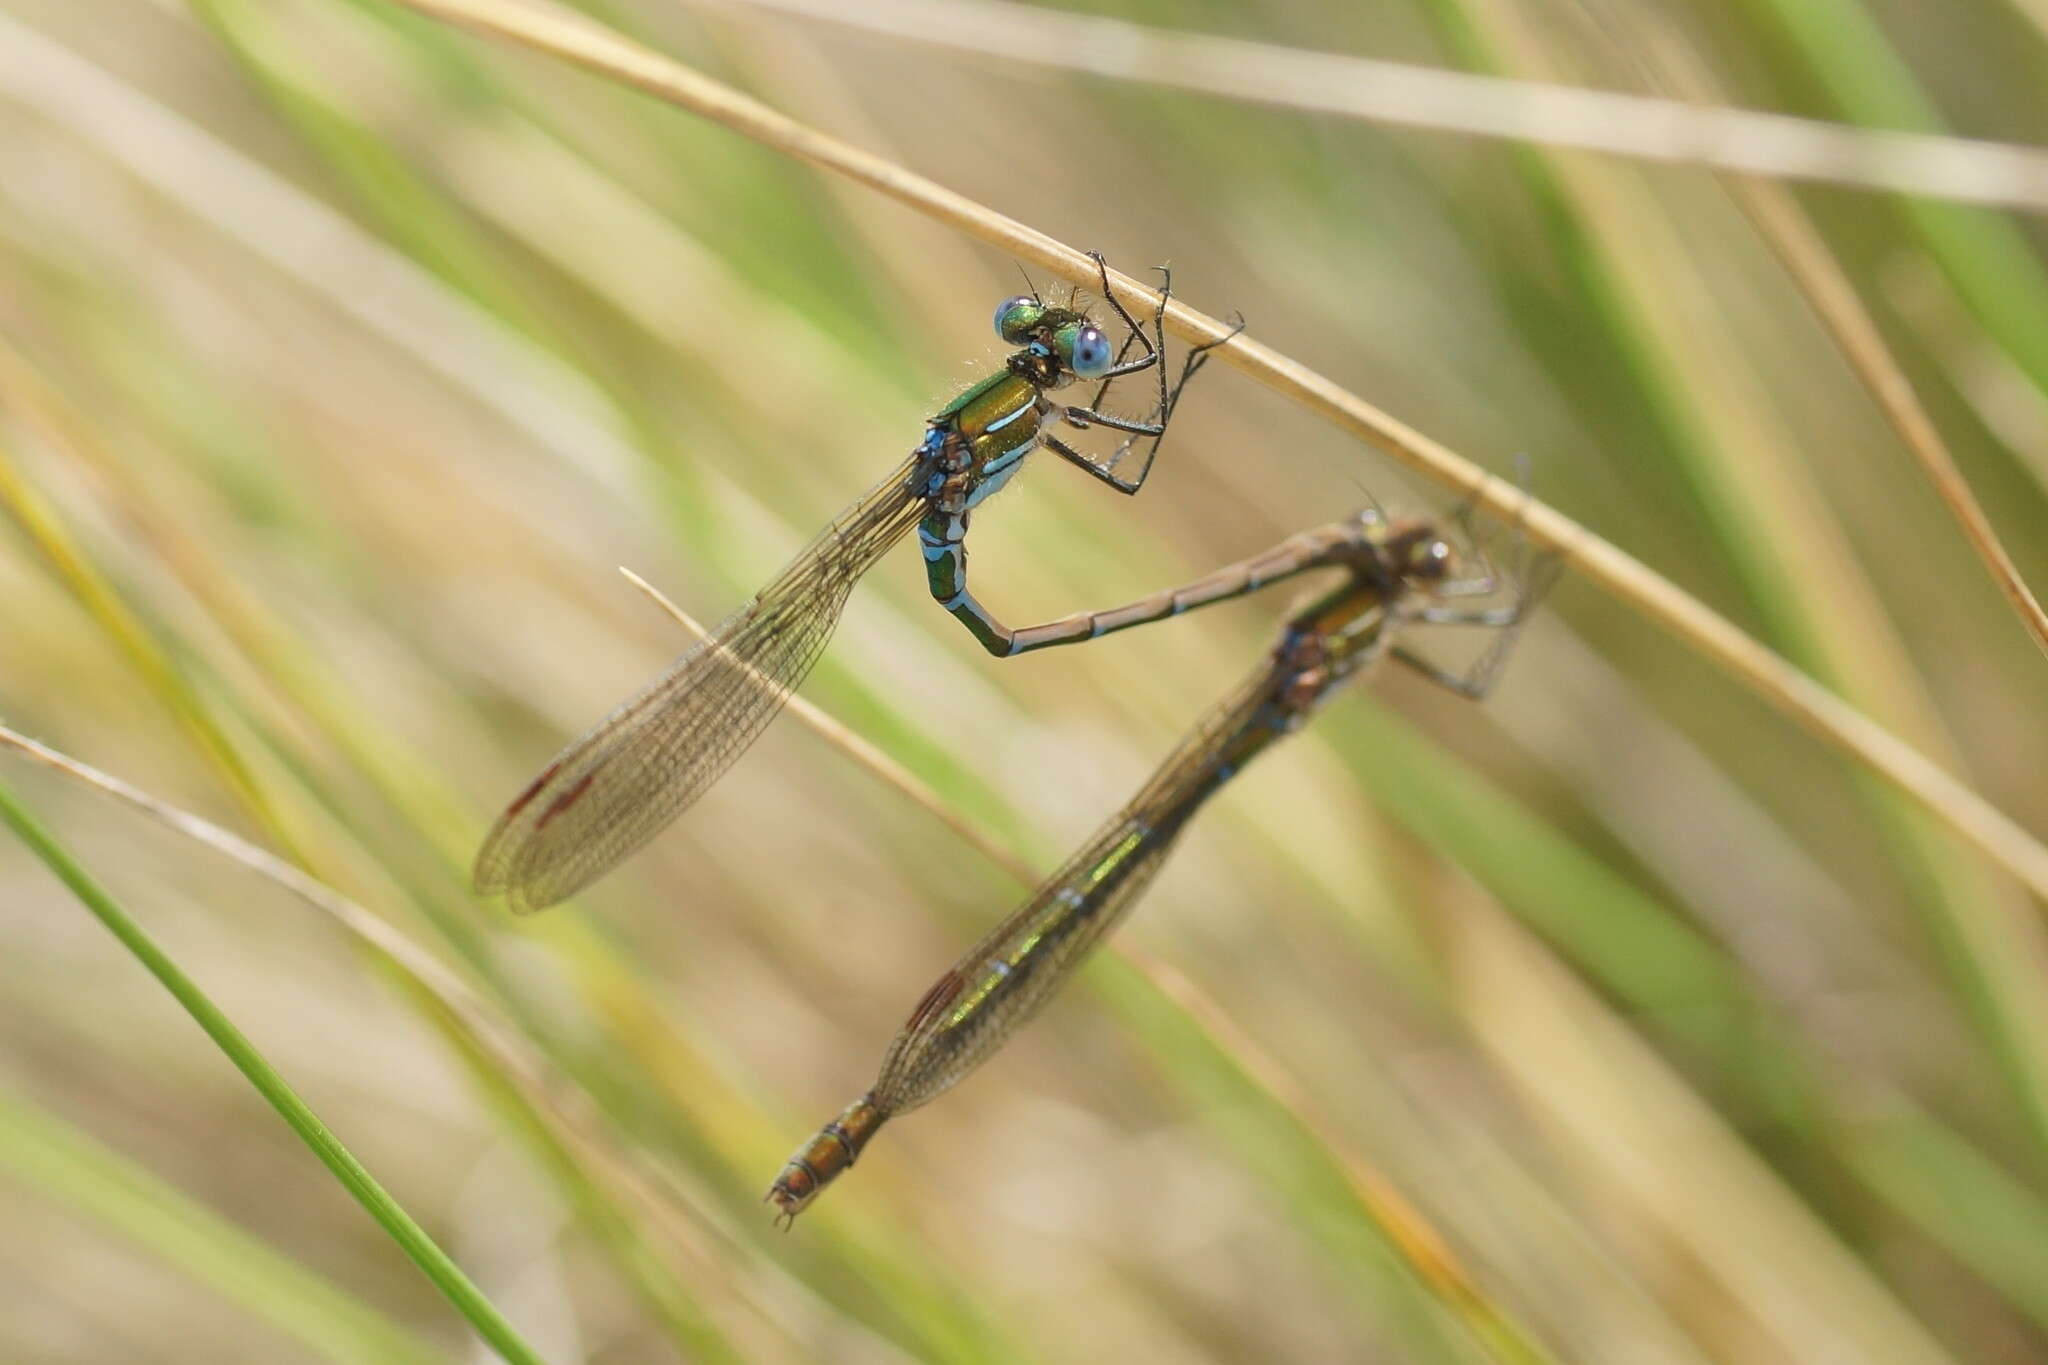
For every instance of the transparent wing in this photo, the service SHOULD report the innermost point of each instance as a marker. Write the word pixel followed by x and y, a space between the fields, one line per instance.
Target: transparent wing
pixel 617 786
pixel 973 1009
pixel 1005 979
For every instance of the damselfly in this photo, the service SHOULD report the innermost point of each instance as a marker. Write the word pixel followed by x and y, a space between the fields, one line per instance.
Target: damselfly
pixel 1395 575
pixel 614 788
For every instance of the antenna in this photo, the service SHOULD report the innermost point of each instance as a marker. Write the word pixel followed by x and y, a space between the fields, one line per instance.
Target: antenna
pixel 1028 284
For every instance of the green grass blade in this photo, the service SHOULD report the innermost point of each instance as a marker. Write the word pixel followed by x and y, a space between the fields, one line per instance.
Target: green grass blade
pixel 1984 255
pixel 1987 1218
pixel 412 1239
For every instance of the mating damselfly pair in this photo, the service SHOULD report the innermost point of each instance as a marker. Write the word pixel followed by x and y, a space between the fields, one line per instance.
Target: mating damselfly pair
pixel 619 784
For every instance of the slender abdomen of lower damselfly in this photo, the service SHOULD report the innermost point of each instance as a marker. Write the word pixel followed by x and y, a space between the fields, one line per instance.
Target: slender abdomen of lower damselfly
pixel 818 1162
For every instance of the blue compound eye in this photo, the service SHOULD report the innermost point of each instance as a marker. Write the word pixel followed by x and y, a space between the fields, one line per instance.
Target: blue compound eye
pixel 1015 317
pixel 1091 353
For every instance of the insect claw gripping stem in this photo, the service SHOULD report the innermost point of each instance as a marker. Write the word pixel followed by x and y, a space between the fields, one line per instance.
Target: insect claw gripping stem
pixel 1532 579
pixel 1132 331
pixel 1196 358
pixel 1090 414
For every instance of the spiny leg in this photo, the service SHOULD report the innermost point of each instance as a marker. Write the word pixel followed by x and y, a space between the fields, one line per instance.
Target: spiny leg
pixel 1153 428
pixel 1082 417
pixel 1095 469
pixel 1478 680
pixel 1105 470
pixel 1132 338
pixel 1133 331
pixel 1487 581
pixel 1191 365
pixel 1497 618
pixel 1472 685
pixel 1154 359
pixel 1534 582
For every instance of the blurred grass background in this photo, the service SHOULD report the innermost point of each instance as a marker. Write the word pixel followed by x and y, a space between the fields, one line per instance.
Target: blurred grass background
pixel 344 357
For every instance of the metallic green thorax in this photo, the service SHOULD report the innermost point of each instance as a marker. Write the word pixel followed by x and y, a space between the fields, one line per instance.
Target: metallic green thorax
pixel 998 418
pixel 974 444
pixel 977 442
pixel 973 393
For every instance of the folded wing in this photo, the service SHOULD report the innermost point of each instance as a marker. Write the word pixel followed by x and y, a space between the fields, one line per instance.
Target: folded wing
pixel 618 785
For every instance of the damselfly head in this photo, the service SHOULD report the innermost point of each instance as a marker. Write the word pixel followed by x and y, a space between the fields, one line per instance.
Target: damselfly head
pixel 1372 521
pixel 1411 548
pixel 1019 316
pixel 1059 342
pixel 1083 349
pixel 1430 558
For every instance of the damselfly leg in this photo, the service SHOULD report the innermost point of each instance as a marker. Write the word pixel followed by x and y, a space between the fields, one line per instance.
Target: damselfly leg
pixel 1532 577
pixel 1151 429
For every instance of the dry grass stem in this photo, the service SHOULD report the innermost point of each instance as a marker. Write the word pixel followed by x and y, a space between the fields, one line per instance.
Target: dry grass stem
pixel 1791 234
pixel 1604 1100
pixel 1420 1245
pixel 1819 711
pixel 1641 127
pixel 374 932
